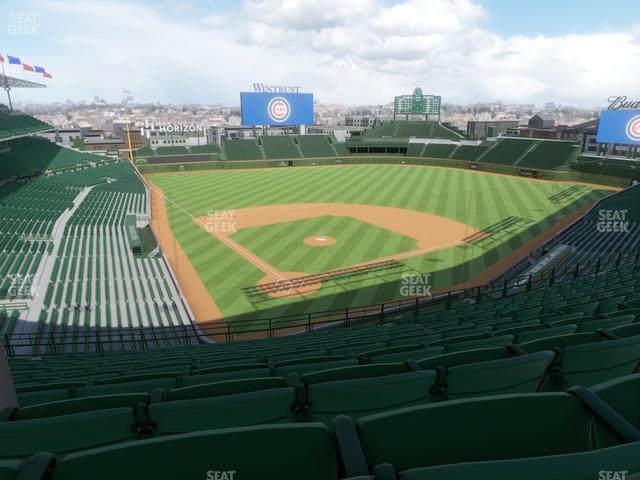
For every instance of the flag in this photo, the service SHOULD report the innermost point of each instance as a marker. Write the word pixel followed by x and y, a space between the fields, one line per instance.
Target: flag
pixel 14 60
pixel 46 75
pixel 26 67
pixel 39 69
pixel 1 59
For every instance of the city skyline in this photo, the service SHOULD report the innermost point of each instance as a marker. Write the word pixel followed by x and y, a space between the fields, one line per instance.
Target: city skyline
pixel 361 53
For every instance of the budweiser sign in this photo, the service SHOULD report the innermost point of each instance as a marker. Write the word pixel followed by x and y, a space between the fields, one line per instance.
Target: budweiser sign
pixel 621 103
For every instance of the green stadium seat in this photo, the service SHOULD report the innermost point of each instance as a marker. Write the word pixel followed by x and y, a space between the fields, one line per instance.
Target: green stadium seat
pixel 596 464
pixel 399 353
pixel 229 387
pixel 141 386
pixel 67 433
pixel 481 429
pixel 562 341
pixel 542 333
pixel 593 363
pixel 357 397
pixel 607 323
pixel 311 364
pixel 271 405
pixel 355 372
pixel 454 359
pixel 498 341
pixel 522 374
pixel 286 452
pixel 222 376
pixel 627 330
pixel 9 469
pixel 35 467
pixel 78 405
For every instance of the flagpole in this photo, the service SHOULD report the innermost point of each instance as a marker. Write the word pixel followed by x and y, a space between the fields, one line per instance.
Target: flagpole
pixel 126 122
pixel 6 86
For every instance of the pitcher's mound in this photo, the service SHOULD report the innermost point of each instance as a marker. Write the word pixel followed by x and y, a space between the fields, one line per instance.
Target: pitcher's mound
pixel 319 240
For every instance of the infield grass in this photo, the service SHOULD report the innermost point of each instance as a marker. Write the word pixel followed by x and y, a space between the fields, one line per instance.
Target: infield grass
pixel 510 210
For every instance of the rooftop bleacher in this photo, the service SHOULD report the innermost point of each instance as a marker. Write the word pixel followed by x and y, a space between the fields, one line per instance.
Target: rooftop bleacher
pixel 549 155
pixel 315 145
pixel 15 124
pixel 245 149
pixel 408 129
pixel 469 152
pixel 279 146
pixel 507 151
pixel 174 150
pixel 30 155
pixel 616 167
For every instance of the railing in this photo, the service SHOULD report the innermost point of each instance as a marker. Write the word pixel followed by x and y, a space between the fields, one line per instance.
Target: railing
pixel 249 329
pixel 552 175
pixel 390 313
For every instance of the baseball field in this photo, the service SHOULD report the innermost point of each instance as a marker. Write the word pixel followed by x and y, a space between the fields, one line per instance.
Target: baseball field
pixel 259 243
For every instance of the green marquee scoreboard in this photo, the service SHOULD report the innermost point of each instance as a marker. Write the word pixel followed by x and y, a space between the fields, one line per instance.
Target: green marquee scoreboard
pixel 417 104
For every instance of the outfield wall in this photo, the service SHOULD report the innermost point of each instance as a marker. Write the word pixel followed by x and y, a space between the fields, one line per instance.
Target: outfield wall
pixel 553 175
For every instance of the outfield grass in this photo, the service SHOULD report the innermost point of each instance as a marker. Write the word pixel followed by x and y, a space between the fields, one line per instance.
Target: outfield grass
pixel 282 244
pixel 513 210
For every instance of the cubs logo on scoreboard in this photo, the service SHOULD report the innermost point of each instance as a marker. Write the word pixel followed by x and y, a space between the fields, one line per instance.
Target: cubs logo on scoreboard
pixel 261 108
pixel 619 126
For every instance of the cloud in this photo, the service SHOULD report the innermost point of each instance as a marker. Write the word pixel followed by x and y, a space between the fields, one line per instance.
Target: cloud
pixel 357 52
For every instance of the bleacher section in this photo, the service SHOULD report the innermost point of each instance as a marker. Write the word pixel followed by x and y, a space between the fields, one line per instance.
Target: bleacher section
pixel 549 155
pixel 540 380
pixel 438 150
pixel 242 150
pixel 507 151
pixel 341 149
pixel 29 156
pixel 13 124
pixel 469 152
pixel 172 150
pixel 279 146
pixel 205 149
pixel 611 230
pixel 99 296
pixel 316 146
pixel 615 167
pixel 408 129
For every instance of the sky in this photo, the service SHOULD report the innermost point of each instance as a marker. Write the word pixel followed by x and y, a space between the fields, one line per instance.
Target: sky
pixel 352 52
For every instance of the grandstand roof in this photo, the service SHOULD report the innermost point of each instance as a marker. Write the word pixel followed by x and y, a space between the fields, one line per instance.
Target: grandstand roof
pixel 14 82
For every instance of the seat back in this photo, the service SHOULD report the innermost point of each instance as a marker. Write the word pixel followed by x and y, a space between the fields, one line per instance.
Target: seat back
pixel 521 374
pixel 364 396
pixel 236 410
pixel 593 363
pixel 622 394
pixel 480 429
pixel 78 405
pixel 571 466
pixel 460 358
pixel 286 452
pixel 359 371
pixel 66 433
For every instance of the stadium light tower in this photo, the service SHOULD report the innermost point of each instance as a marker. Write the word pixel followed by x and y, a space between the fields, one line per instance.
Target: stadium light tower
pixel 8 82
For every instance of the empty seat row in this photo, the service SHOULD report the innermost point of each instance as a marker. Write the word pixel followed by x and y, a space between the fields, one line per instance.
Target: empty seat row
pixel 567 435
